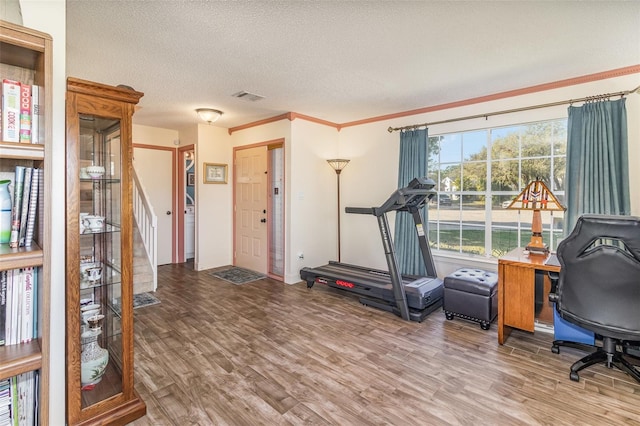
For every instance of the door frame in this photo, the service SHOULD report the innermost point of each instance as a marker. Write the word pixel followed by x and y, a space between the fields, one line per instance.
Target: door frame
pixel 270 143
pixel 174 205
pixel 180 196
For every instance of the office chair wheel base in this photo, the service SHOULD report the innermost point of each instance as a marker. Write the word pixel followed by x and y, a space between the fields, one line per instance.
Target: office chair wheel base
pixel 574 376
pixel 555 349
pixel 448 315
pixel 485 325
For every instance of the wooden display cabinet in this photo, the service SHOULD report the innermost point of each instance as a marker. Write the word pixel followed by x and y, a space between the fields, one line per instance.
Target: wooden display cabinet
pixel 25 56
pixel 99 294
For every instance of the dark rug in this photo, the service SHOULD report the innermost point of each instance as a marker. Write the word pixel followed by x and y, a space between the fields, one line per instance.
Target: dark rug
pixel 139 301
pixel 236 275
pixel 144 299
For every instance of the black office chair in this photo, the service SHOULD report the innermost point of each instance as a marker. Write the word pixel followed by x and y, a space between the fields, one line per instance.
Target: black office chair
pixel 565 333
pixel 599 287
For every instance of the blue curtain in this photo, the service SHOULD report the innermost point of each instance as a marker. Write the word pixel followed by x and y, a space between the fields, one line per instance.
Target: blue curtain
pixel 597 167
pixel 413 163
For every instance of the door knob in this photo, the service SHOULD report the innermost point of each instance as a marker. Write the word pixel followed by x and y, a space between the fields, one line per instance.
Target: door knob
pixel 263 220
pixel 168 212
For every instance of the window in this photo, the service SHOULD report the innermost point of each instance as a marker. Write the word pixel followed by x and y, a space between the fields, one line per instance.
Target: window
pixel 477 174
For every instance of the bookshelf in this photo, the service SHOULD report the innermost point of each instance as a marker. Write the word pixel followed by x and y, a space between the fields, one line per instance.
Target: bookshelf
pixel 25 56
pixel 99 256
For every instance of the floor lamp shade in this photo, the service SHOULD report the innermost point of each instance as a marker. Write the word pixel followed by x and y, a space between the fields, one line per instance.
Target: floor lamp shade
pixel 338 164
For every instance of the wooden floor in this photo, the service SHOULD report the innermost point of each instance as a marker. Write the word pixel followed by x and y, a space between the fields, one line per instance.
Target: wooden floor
pixel 267 353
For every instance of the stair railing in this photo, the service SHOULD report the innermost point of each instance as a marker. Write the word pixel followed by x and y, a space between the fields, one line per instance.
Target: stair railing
pixel 147 222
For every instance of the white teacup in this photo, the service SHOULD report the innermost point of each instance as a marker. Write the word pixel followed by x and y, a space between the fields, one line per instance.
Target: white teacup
pixel 94 223
pixel 82 216
pixel 95 171
pixel 94 273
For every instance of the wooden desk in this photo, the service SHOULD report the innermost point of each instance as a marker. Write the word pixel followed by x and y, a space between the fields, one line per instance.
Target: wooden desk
pixel 516 290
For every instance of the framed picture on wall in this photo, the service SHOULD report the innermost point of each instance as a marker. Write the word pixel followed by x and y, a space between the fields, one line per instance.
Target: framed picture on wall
pixel 215 173
pixel 191 179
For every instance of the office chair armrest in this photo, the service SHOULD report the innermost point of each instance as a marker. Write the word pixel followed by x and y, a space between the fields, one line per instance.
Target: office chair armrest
pixel 554 277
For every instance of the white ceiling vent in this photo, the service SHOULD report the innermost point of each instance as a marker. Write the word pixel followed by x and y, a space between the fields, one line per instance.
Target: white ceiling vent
pixel 252 97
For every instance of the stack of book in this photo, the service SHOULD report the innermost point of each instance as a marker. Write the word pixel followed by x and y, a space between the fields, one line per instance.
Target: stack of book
pixel 18 306
pixel 19 400
pixel 20 112
pixel 27 184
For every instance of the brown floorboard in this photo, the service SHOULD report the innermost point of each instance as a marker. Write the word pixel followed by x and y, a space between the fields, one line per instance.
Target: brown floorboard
pixel 267 353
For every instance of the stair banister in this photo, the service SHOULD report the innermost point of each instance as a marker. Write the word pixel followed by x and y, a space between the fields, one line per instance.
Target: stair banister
pixel 147 222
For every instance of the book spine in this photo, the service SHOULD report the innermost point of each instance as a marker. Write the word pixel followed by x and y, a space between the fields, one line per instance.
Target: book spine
pixel 17 206
pixel 27 306
pixel 25 113
pixel 35 114
pixel 8 308
pixel 14 400
pixel 10 110
pixel 33 207
pixel 34 310
pixel 16 306
pixel 3 304
pixel 26 196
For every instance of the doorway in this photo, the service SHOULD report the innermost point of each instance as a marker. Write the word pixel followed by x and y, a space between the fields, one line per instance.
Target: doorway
pixel 186 199
pixel 152 163
pixel 259 188
pixel 189 227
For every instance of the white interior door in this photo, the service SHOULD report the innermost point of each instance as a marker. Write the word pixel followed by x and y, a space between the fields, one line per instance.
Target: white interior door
pixel 155 171
pixel 251 209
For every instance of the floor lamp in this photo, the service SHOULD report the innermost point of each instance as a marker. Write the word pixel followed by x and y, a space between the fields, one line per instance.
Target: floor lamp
pixel 536 197
pixel 338 164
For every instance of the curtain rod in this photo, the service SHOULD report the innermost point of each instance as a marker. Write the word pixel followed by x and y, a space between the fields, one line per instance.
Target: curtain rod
pixel 509 111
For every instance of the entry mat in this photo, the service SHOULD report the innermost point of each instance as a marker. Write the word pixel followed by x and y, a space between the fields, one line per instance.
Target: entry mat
pixel 139 301
pixel 237 275
pixel 144 299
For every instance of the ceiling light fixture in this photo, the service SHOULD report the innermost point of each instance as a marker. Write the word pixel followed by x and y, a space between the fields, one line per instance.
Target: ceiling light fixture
pixel 208 114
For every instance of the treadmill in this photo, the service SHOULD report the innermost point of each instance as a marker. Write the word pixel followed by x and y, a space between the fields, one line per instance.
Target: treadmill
pixel 408 296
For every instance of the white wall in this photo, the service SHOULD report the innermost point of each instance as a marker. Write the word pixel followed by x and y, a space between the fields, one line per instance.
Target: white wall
pixel 214 226
pixel 311 204
pixel 50 17
pixel 147 135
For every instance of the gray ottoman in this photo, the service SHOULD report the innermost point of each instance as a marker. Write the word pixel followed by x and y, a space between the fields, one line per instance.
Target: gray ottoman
pixel 471 294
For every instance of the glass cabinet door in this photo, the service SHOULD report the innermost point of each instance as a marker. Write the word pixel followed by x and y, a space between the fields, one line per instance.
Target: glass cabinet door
pixel 100 261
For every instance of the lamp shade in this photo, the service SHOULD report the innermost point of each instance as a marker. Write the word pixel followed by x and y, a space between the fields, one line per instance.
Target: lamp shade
pixel 208 114
pixel 338 164
pixel 536 197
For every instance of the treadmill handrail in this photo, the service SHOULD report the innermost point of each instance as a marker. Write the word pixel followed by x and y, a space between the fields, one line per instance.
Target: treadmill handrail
pixel 360 210
pixel 416 193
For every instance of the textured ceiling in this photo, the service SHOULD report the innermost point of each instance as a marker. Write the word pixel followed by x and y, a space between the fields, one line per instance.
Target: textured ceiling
pixel 339 61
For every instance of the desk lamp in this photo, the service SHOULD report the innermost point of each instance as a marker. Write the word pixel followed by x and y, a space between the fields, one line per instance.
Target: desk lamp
pixel 536 197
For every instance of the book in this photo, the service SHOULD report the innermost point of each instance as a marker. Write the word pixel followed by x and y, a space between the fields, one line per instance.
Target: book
pixel 8 314
pixel 36 136
pixel 26 196
pixel 34 310
pixel 25 113
pixel 16 315
pixel 33 206
pixel 26 323
pixel 3 304
pixel 16 210
pixel 10 110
